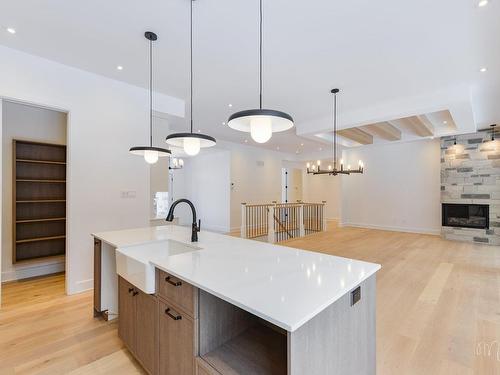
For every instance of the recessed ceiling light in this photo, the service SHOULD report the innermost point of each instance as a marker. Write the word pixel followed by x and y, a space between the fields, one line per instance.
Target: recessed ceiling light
pixel 223 123
pixel 119 67
pixel 445 122
pixel 482 70
pixel 302 144
pixel 482 3
pixel 11 30
pixel 229 105
pixel 246 140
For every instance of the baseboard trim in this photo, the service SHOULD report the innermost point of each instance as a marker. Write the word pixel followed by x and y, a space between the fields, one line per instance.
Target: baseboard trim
pixel 434 232
pixel 33 270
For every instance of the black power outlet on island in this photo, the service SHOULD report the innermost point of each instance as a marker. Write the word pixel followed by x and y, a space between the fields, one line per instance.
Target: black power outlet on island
pixel 355 295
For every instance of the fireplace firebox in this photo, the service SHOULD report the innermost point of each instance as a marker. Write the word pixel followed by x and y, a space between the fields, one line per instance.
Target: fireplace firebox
pixel 466 215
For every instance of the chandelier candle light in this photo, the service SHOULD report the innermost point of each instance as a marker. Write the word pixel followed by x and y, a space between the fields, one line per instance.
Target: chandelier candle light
pixel 332 170
pixel 150 153
pixel 176 163
pixel 191 142
pixel 261 123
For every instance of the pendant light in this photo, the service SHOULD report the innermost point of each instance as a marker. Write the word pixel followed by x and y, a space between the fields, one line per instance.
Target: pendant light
pixel 191 142
pixel 261 123
pixel 150 153
pixel 332 169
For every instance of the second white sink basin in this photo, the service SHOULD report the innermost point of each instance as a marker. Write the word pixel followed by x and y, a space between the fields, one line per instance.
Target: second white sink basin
pixel 132 263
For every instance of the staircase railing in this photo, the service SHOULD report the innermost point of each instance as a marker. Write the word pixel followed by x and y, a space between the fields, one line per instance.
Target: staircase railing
pixel 282 221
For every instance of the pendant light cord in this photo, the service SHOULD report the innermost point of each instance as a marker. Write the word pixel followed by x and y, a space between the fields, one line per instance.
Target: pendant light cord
pixel 260 56
pixel 335 131
pixel 151 93
pixel 191 62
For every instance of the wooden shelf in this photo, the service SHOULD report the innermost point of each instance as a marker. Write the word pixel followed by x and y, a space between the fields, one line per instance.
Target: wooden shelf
pixel 49 181
pixel 40 220
pixel 42 201
pixel 40 239
pixel 41 161
pixel 258 350
pixel 39 195
pixel 44 259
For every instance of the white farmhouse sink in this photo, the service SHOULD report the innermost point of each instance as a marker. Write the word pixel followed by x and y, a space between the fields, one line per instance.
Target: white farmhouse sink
pixel 132 263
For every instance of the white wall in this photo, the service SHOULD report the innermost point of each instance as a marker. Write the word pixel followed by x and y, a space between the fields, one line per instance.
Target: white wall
pixel 207 185
pixel 35 124
pixel 323 188
pixel 400 189
pixel 1 205
pixel 256 178
pixel 106 118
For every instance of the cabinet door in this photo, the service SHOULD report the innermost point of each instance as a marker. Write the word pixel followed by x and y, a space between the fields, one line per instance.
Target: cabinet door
pixel 97 277
pixel 177 341
pixel 127 317
pixel 146 328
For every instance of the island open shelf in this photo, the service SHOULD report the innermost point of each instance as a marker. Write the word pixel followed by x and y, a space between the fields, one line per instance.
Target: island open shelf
pixel 233 341
pixel 258 350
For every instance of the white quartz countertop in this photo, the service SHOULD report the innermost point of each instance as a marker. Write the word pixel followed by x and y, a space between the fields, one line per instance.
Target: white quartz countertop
pixel 283 285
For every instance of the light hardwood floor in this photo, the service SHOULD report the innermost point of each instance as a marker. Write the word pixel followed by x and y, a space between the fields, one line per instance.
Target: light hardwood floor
pixel 438 308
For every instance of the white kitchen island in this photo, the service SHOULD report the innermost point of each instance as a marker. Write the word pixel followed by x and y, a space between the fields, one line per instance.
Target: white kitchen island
pixel 294 311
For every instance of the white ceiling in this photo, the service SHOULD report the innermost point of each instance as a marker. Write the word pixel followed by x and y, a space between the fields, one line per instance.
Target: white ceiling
pixel 391 58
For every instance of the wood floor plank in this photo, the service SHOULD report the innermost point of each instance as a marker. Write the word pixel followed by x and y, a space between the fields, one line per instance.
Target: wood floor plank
pixel 438 311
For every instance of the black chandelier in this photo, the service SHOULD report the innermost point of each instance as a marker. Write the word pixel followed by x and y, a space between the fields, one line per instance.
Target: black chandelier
pixel 150 153
pixel 332 169
pixel 176 163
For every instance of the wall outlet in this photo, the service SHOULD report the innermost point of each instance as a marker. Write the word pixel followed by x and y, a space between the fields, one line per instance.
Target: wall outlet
pixel 355 295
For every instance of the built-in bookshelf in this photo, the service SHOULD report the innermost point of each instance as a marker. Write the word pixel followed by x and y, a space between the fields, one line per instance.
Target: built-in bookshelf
pixel 39 200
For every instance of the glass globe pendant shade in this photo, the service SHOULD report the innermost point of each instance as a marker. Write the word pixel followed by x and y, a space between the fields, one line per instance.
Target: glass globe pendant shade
pixel 261 129
pixel 191 143
pixel 192 146
pixel 260 123
pixel 151 156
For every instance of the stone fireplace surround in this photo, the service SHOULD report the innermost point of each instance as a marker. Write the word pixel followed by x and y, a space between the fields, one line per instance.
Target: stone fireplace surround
pixel 470 174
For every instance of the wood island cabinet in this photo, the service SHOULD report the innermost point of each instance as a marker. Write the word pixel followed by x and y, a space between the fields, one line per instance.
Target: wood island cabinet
pixel 177 341
pixel 138 324
pixel 160 331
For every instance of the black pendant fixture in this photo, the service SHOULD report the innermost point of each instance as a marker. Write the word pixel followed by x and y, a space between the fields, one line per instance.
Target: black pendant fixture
pixel 332 169
pixel 261 123
pixel 191 142
pixel 150 153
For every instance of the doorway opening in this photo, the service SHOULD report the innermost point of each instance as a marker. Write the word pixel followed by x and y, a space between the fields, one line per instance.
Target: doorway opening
pixel 34 206
pixel 291 185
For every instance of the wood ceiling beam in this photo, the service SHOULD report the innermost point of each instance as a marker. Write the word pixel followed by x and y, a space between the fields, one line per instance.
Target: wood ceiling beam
pixel 356 135
pixel 384 130
pixel 419 125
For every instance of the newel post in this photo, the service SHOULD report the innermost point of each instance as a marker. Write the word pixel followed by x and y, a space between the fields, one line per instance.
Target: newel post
pixel 271 238
pixel 302 231
pixel 243 230
pixel 323 215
